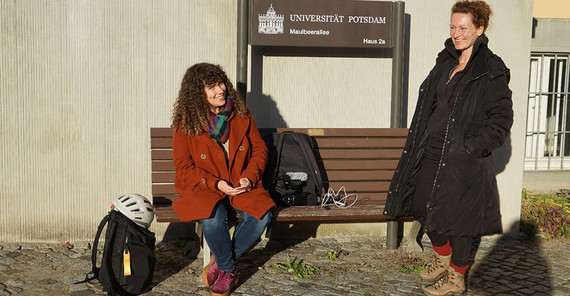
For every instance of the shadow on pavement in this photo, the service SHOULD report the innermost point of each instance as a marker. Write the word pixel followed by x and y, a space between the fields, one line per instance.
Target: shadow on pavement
pixel 250 262
pixel 178 249
pixel 511 267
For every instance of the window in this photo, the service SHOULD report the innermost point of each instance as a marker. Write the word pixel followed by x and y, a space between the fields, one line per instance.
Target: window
pixel 548 125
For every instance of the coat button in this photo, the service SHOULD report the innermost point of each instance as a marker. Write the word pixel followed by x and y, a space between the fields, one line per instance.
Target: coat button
pixel 453 119
pixel 241 148
pixel 443 164
pixel 203 156
pixel 203 180
pixel 405 151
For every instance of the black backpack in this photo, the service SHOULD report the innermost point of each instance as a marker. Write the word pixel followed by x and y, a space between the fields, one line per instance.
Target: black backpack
pixel 127 264
pixel 292 175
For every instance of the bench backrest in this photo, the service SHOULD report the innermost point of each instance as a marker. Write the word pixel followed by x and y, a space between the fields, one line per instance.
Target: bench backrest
pixel 362 160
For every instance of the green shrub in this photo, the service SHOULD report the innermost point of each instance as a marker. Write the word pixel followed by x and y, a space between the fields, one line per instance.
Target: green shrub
pixel 546 214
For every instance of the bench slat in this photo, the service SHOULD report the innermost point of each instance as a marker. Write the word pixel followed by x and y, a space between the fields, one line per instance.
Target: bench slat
pixel 359 175
pixel 166 154
pixel 156 132
pixel 163 166
pixel 341 132
pixel 346 142
pixel 347 165
pixel 165 214
pixel 370 210
pixel 357 164
pixel 350 186
pixel 161 143
pixel 166 199
pixel 359 153
pixel 358 143
pixel 168 176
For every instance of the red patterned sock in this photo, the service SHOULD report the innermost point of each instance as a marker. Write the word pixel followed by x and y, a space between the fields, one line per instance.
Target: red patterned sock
pixel 459 269
pixel 444 250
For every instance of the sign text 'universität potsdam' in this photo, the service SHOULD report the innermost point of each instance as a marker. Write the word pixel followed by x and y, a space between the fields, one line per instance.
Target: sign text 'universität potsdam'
pixel 321 23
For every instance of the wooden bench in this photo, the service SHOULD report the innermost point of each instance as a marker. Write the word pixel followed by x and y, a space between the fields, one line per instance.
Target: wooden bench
pixel 362 160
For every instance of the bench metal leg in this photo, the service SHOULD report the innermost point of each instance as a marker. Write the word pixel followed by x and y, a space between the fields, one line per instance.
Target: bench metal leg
pixel 202 245
pixel 206 253
pixel 411 245
pixel 392 235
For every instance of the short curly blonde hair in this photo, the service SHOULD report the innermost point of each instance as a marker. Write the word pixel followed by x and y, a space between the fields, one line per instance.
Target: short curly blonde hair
pixel 480 11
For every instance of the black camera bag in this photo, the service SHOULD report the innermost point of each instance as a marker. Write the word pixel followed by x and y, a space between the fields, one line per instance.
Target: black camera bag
pixel 292 152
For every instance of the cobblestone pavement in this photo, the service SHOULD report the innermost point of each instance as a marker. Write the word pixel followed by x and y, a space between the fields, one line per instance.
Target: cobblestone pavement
pixel 362 267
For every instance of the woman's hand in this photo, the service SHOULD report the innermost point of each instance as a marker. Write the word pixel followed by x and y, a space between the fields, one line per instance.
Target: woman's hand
pixel 244 186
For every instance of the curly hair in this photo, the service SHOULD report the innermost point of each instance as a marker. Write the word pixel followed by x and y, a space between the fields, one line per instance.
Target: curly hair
pixel 191 109
pixel 480 11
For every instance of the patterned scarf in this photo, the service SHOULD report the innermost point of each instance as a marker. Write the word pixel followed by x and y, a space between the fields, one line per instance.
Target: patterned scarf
pixel 219 128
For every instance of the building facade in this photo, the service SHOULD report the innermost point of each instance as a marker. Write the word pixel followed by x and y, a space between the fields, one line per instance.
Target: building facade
pixel 83 81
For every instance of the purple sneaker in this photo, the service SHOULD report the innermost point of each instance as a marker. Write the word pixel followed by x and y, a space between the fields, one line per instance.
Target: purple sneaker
pixel 210 273
pixel 223 286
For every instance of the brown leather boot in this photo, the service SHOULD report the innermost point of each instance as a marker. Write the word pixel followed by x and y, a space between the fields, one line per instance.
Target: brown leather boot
pixel 210 272
pixel 435 271
pixel 452 283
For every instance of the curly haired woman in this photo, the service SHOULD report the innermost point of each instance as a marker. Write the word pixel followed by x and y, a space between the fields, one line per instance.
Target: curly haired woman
pixel 219 157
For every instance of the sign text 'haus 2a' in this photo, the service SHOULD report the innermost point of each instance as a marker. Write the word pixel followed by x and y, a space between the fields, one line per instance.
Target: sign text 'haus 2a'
pixel 321 23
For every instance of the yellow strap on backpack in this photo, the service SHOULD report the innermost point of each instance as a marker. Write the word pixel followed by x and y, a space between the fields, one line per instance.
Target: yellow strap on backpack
pixel 126 262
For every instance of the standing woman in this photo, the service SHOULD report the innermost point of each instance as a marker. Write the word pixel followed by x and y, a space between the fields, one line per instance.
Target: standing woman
pixel 445 178
pixel 219 157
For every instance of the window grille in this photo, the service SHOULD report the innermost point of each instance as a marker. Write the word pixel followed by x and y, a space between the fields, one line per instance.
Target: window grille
pixel 548 125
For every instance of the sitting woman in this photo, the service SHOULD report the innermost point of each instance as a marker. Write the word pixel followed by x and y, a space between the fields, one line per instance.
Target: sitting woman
pixel 219 157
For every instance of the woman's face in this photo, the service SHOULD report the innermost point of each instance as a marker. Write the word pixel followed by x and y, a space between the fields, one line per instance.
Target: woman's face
pixel 462 31
pixel 215 95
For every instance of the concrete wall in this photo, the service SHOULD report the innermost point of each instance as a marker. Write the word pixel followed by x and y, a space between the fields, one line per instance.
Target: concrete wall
pixel 83 81
pixel 81 84
pixel 551 35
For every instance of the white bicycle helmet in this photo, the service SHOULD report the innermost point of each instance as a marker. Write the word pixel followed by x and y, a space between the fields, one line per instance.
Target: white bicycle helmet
pixel 136 207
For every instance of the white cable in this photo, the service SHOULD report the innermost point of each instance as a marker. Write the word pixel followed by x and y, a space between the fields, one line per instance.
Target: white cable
pixel 338 198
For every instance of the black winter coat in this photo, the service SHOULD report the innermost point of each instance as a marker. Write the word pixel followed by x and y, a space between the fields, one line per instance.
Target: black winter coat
pixel 465 198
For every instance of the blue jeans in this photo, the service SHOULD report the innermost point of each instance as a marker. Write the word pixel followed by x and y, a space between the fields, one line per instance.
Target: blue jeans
pixel 216 233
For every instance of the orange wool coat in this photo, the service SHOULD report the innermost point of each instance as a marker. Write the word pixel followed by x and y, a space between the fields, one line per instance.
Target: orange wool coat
pixel 200 162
